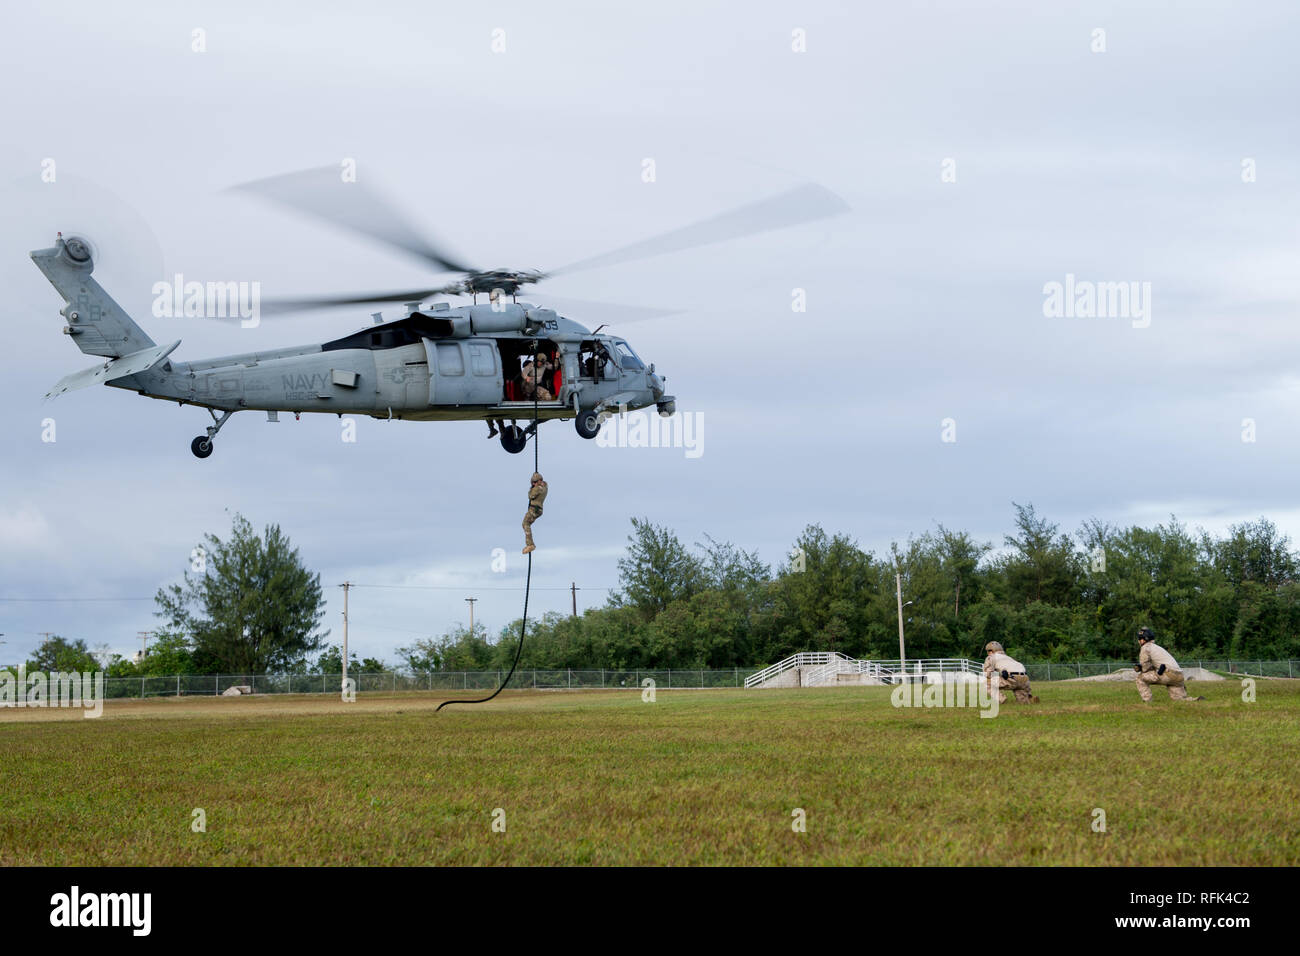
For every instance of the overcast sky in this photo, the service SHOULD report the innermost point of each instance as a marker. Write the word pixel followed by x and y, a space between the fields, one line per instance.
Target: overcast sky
pixel 924 303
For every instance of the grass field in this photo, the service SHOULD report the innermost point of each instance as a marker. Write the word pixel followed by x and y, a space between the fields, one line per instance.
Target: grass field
pixel 697 777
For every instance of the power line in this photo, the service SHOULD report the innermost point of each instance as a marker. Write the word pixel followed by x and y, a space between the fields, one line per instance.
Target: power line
pixel 459 587
pixel 63 600
pixel 400 587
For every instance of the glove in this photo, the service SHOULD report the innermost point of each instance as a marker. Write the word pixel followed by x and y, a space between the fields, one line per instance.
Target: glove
pixel 1138 668
pixel 1006 676
pixel 1161 669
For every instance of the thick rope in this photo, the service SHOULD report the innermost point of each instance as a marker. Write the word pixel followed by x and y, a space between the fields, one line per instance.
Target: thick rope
pixel 528 582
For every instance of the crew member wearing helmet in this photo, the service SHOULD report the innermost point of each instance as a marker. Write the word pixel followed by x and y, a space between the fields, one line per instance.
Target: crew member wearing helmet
pixel 533 376
pixel 1157 666
pixel 536 495
pixel 1003 672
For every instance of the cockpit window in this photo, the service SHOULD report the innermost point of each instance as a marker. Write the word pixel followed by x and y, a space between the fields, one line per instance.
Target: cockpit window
pixel 594 361
pixel 626 357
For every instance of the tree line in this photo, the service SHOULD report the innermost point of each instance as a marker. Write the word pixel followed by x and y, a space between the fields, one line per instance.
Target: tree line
pixel 1043 593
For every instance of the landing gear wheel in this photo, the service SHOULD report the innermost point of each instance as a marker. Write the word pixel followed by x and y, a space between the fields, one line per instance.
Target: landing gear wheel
pixel 201 446
pixel 513 439
pixel 587 424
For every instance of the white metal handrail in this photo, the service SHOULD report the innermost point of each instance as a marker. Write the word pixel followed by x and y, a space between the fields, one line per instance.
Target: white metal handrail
pixel 838 664
pixel 826 664
pixel 802 659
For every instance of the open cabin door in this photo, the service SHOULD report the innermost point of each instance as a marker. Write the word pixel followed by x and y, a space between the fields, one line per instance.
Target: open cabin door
pixel 464 372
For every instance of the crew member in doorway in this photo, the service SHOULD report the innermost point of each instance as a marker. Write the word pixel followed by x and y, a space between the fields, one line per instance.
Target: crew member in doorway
pixel 533 373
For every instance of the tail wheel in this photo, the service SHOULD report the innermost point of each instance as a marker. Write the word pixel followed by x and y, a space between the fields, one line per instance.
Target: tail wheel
pixel 587 424
pixel 513 439
pixel 201 446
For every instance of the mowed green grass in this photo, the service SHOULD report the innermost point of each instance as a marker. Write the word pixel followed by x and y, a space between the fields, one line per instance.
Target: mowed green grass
pixel 697 777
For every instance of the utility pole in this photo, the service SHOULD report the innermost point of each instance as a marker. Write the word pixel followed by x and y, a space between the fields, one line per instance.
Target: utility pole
pixel 471 601
pixel 346 585
pixel 144 643
pixel 573 589
pixel 902 654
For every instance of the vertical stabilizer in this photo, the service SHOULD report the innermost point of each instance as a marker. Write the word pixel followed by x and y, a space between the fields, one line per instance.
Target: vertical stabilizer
pixel 96 323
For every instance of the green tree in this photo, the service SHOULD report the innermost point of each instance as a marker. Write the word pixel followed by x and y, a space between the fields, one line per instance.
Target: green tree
pixel 168 653
pixel 826 598
pixel 256 609
pixel 60 654
pixel 1042 565
pixel 421 656
pixel 657 570
pixel 330 661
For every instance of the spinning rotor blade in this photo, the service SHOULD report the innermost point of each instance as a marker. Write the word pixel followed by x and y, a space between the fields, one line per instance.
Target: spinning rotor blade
pixel 323 194
pixel 278 306
pixel 593 313
pixel 799 205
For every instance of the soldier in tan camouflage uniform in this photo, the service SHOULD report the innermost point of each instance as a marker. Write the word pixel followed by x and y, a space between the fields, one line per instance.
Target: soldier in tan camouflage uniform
pixel 533 374
pixel 1003 672
pixel 536 495
pixel 1157 666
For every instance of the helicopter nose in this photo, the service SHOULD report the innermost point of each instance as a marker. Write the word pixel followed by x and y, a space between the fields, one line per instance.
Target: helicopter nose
pixel 657 385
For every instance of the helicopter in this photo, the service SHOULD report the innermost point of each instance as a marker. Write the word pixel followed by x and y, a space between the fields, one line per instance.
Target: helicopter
pixel 438 362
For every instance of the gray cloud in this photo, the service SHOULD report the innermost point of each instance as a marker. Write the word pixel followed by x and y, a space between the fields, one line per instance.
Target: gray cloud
pixel 925 302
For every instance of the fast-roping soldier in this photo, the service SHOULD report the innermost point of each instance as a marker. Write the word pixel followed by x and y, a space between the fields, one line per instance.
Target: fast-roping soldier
pixel 536 495
pixel 1157 666
pixel 1003 672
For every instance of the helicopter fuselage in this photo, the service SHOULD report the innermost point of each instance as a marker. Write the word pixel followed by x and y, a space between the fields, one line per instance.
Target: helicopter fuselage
pixel 420 370
pixel 442 363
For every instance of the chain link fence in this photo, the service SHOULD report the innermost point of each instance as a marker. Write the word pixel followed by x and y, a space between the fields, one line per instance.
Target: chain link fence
pixel 1065 670
pixel 183 685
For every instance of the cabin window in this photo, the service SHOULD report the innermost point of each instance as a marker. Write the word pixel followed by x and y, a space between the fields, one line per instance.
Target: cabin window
pixel 450 361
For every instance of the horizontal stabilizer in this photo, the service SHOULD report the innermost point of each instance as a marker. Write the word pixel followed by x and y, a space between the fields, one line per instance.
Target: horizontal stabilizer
pixel 132 364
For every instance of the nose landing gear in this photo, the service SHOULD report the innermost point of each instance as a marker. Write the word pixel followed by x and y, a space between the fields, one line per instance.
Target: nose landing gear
pixel 202 445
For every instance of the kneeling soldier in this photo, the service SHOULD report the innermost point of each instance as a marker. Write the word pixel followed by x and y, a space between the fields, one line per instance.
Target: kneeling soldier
pixel 1008 673
pixel 1157 666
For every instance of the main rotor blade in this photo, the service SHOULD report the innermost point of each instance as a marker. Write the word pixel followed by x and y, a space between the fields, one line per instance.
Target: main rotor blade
pixel 323 194
pixel 595 313
pixel 279 306
pixel 799 205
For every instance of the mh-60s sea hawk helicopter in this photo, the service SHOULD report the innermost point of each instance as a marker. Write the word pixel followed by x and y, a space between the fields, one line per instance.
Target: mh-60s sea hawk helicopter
pixel 436 363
